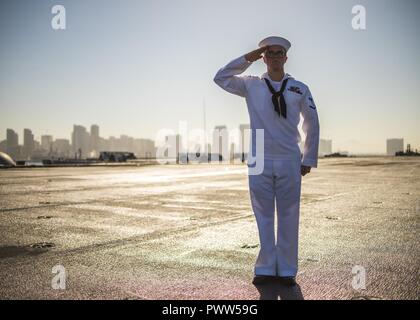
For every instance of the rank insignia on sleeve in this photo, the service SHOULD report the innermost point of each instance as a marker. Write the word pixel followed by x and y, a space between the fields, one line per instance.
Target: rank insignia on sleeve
pixel 295 90
pixel 312 107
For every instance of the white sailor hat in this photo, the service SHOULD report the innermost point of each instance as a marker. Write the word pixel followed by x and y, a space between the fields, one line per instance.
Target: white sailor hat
pixel 275 41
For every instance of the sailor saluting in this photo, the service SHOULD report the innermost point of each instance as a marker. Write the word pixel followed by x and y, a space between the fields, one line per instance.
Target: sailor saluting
pixel 275 103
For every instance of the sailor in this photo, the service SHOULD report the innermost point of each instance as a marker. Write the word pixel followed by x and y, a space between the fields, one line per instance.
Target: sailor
pixel 275 102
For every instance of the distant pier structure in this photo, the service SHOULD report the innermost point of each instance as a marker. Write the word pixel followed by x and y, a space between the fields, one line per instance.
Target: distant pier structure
pixel 408 152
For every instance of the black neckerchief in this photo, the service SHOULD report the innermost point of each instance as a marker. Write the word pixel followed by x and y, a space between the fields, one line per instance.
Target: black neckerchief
pixel 280 109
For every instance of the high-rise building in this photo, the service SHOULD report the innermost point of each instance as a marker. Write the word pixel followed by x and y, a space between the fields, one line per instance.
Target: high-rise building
pixel 325 147
pixel 94 140
pixel 28 143
pixel 144 148
pixel 47 142
pixel 125 143
pixel 80 142
pixel 104 144
pixel 173 144
pixel 12 144
pixel 3 146
pixel 393 146
pixel 62 147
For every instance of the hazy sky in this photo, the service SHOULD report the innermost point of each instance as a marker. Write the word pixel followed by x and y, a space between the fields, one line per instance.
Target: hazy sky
pixel 135 67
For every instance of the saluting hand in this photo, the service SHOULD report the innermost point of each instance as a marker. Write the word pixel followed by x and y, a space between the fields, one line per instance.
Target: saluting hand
pixel 256 54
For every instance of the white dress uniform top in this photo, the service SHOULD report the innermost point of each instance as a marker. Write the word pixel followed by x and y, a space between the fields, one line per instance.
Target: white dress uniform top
pixel 280 181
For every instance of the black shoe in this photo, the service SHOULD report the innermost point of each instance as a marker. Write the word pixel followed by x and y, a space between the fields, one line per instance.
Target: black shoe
pixel 262 279
pixel 287 281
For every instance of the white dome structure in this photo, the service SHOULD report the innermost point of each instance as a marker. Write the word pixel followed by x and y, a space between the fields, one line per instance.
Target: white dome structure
pixel 6 160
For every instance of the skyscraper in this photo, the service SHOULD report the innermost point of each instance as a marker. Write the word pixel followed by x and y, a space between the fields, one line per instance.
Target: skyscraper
pixel 80 141
pixel 12 144
pixel 125 143
pixel 28 143
pixel 62 147
pixel 325 147
pixel 145 148
pixel 46 142
pixel 173 147
pixel 393 146
pixel 94 140
pixel 3 146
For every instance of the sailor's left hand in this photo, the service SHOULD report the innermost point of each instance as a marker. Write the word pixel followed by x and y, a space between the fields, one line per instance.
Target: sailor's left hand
pixel 304 170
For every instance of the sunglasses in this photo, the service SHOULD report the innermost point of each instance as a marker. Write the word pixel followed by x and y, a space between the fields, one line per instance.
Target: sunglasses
pixel 275 54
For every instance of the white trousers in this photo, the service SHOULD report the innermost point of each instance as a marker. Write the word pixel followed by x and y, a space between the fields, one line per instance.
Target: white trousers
pixel 280 184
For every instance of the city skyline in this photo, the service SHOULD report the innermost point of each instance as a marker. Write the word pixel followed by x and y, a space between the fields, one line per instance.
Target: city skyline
pixel 90 143
pixel 82 144
pixel 335 148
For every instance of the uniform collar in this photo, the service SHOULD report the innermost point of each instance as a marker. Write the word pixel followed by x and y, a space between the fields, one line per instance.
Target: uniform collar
pixel 265 75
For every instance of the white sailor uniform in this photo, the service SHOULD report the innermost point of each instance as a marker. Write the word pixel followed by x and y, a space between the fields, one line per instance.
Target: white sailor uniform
pixel 280 181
